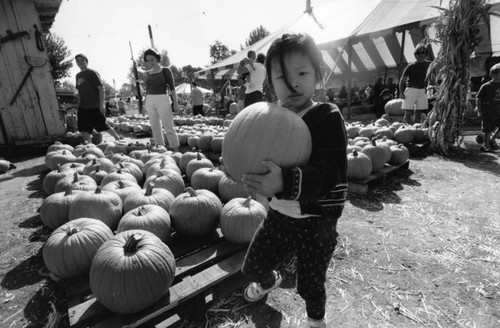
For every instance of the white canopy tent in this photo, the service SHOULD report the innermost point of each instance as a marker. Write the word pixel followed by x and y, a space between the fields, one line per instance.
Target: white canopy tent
pixel 185 89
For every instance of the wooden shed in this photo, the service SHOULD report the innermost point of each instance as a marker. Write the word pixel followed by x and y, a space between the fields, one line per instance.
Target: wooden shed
pixel 29 110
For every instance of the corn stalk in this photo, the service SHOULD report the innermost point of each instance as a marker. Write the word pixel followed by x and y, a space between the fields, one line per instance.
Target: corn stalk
pixel 457 30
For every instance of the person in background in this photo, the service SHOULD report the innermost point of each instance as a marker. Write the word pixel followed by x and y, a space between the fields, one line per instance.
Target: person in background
pixel 159 84
pixel 91 101
pixel 306 201
pixel 488 109
pixel 121 106
pixel 241 92
pixel 196 100
pixel 412 87
pixel 378 105
pixel 255 67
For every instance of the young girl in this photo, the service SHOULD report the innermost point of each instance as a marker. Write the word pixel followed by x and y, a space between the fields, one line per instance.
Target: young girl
pixel 307 200
pixel 159 79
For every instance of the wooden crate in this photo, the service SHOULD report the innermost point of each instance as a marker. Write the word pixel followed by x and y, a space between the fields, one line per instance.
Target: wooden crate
pixel 375 180
pixel 207 270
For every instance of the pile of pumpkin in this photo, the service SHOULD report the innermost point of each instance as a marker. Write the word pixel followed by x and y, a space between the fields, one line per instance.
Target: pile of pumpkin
pixel 114 207
pixel 374 145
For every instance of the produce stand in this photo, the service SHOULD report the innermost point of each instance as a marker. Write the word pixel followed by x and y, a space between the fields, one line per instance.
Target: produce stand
pixel 207 270
pixel 377 179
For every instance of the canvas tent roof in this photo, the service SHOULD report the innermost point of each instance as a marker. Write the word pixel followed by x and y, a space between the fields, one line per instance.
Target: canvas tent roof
pixel 376 43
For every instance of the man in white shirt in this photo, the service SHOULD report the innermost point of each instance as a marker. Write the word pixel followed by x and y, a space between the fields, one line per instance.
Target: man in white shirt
pixel 255 67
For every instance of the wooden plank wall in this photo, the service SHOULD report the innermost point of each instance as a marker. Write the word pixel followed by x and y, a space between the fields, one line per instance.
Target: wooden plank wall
pixel 35 114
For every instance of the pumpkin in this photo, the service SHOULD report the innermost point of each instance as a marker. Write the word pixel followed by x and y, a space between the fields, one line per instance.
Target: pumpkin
pixel 133 169
pixel 115 148
pixel 98 174
pixel 62 157
pixel 420 135
pixel 216 144
pixel 376 154
pixel 168 179
pixel 85 158
pixel 196 164
pixel 265 131
pixel 195 212
pixel 122 188
pixel 186 158
pixel 359 166
pixel 59 145
pixel 131 271
pixel 192 141
pixel 77 167
pixel 353 130
pixel 155 165
pixel 394 107
pixel 75 182
pixel 104 164
pixel 54 210
pixel 101 205
pixel 136 154
pixel 368 131
pixel 404 135
pixel 117 175
pixel 159 149
pixel 206 178
pixel 204 142
pixel 400 154
pixel 151 195
pixel 70 249
pixel 50 180
pixel 5 166
pixel 384 132
pixel 115 158
pixel 146 156
pixel 229 189
pixel 240 218
pixel 148 217
pixel 351 148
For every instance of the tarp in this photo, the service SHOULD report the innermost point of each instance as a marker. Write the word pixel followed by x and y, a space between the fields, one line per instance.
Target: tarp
pixel 185 88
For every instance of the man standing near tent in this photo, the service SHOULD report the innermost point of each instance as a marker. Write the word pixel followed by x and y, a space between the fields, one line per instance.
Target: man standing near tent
pixel 257 70
pixel 412 87
pixel 196 100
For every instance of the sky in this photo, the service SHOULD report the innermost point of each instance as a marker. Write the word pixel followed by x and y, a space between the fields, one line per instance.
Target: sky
pixel 104 30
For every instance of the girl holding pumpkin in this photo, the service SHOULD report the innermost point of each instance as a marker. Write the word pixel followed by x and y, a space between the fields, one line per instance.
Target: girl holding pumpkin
pixel 306 201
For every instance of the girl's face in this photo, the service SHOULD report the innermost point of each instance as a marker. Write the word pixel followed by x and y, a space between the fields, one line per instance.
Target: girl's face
pixel 301 75
pixel 151 61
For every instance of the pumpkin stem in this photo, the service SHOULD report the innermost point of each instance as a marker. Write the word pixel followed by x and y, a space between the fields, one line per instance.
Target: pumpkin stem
pixel 149 189
pixel 75 177
pixel 72 229
pixel 97 167
pixel 198 156
pixel 247 201
pixel 98 190
pixel 354 153
pixel 191 192
pixel 121 185
pixel 141 211
pixel 59 168
pixel 68 192
pixel 131 245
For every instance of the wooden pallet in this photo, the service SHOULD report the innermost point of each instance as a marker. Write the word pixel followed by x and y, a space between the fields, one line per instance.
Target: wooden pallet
pixel 375 180
pixel 420 149
pixel 207 270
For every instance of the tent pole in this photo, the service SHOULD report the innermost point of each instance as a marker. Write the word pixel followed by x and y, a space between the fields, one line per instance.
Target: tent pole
pixel 401 57
pixel 349 76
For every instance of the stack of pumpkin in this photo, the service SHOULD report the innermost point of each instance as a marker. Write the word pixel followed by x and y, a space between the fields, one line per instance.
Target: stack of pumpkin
pixel 113 208
pixel 373 146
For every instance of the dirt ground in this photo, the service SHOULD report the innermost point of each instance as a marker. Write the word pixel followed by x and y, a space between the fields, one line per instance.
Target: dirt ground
pixel 424 250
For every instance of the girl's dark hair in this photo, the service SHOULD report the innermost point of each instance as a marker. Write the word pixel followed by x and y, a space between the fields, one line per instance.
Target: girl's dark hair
pixel 290 43
pixel 151 52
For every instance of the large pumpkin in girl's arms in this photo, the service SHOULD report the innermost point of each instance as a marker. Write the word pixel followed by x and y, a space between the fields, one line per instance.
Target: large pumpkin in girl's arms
pixel 265 131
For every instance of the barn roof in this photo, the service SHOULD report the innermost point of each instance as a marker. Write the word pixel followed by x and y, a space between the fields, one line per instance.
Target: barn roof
pixel 47 10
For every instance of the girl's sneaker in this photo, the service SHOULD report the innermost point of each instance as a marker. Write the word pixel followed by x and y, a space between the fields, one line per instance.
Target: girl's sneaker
pixel 312 323
pixel 254 292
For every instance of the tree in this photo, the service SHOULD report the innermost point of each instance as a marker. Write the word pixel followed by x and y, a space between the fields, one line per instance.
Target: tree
pixel 218 52
pixel 457 28
pixel 67 86
pixel 58 54
pixel 258 34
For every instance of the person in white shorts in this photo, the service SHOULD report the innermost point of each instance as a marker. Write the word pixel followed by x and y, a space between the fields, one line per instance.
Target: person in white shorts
pixel 412 87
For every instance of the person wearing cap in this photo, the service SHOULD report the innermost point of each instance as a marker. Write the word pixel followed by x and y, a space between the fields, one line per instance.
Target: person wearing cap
pixel 254 65
pixel 159 85
pixel 91 101
pixel 412 87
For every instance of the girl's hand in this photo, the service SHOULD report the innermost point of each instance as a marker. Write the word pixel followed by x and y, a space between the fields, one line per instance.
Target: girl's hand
pixel 267 184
